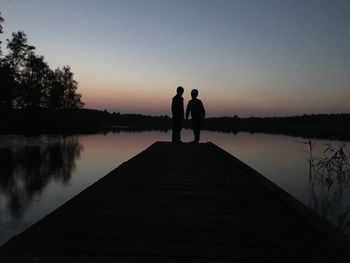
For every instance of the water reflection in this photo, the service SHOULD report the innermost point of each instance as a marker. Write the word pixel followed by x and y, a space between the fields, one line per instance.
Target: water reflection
pixel 39 174
pixel 329 182
pixel 26 170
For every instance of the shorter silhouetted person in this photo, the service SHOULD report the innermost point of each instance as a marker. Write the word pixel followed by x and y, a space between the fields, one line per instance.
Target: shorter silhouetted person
pixel 177 109
pixel 196 108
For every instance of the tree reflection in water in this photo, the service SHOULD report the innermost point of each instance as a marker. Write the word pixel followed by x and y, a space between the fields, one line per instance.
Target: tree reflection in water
pixel 26 170
pixel 329 182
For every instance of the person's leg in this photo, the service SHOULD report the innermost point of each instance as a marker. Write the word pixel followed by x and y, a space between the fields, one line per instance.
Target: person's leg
pixel 173 139
pixel 196 130
pixel 176 131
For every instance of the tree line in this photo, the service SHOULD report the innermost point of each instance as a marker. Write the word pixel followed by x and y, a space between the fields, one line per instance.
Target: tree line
pixel 27 81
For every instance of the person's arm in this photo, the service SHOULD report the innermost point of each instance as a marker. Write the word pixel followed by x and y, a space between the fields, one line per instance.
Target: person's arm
pixel 188 109
pixel 182 109
pixel 203 111
pixel 172 107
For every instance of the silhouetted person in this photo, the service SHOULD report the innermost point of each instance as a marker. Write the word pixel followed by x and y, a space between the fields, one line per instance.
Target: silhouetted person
pixel 196 108
pixel 177 109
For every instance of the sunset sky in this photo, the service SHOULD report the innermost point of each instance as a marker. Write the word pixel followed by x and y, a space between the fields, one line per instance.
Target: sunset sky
pixel 246 57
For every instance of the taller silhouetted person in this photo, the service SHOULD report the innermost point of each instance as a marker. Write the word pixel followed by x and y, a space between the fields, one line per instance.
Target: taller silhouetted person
pixel 196 108
pixel 177 109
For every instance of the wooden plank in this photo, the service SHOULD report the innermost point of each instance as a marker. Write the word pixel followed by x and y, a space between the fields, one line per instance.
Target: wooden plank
pixel 180 203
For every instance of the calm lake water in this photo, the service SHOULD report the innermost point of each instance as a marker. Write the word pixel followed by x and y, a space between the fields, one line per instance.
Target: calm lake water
pixel 40 173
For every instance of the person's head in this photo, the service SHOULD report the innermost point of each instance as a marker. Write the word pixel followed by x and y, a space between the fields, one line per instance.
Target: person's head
pixel 180 90
pixel 194 93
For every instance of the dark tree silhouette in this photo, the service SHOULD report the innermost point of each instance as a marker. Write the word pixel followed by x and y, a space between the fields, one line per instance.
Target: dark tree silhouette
pixel 7 80
pixel 19 50
pixel 34 82
pixel 7 88
pixel 27 69
pixel 62 92
pixel 2 20
pixel 27 82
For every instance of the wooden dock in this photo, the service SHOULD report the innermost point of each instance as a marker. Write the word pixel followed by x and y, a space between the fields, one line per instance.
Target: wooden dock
pixel 180 203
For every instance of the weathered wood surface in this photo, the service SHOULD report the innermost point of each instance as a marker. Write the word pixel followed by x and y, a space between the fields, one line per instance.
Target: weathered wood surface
pixel 179 203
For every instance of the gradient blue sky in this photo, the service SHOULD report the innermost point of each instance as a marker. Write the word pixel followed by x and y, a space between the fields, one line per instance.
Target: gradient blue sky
pixel 256 57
